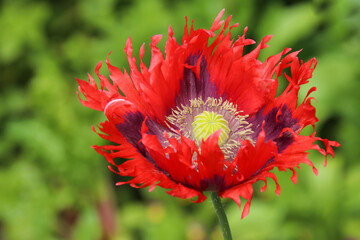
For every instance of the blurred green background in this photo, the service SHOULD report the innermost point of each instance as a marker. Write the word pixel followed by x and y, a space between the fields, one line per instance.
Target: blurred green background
pixel 54 186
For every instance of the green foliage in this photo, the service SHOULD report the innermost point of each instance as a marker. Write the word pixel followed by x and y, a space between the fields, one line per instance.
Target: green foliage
pixel 54 186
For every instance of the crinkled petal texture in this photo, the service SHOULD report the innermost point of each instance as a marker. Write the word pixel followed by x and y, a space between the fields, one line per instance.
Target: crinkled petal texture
pixel 156 152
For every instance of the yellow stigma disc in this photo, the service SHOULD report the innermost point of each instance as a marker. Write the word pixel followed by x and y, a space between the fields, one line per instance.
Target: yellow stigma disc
pixel 207 123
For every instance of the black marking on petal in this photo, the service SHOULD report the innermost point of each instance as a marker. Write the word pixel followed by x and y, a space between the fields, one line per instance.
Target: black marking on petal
pixel 131 127
pixel 192 87
pixel 131 130
pixel 284 141
pixel 157 129
pixel 274 125
pixel 216 183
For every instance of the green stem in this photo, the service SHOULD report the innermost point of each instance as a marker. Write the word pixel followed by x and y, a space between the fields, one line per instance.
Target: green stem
pixel 219 208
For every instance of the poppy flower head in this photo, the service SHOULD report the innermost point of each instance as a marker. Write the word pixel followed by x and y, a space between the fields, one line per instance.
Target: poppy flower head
pixel 205 117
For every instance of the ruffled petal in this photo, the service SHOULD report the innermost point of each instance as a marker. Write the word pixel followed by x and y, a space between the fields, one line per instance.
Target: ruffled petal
pixel 97 98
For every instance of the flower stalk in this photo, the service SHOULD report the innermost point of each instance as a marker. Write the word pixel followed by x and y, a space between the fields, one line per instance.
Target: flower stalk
pixel 220 212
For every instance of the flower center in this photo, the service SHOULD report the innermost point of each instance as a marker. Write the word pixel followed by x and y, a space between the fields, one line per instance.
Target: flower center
pixel 206 123
pixel 199 118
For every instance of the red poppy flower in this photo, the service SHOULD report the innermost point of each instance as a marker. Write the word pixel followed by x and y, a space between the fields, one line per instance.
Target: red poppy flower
pixel 205 117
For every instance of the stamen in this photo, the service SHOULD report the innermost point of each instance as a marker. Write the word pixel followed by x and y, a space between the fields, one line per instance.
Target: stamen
pixel 199 119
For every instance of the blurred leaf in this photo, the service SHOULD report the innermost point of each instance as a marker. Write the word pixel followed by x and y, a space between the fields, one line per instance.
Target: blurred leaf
pixel 22 26
pixel 287 24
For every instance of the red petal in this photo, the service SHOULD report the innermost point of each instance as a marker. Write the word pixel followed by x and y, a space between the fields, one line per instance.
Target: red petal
pixel 211 159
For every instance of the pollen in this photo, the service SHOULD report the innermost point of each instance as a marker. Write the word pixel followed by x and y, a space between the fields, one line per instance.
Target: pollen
pixel 206 123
